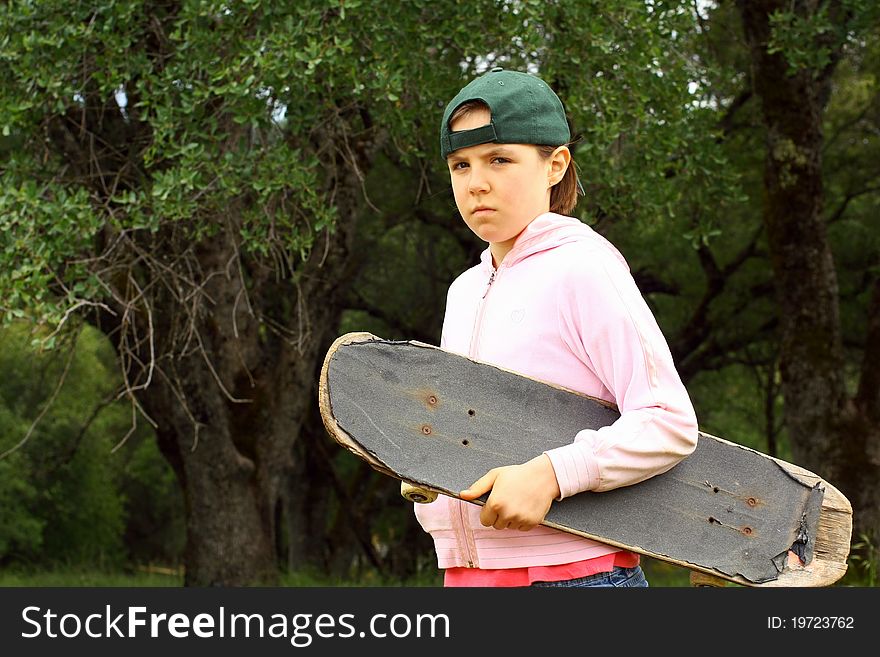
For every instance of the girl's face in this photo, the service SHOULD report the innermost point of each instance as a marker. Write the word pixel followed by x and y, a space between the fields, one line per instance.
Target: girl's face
pixel 500 188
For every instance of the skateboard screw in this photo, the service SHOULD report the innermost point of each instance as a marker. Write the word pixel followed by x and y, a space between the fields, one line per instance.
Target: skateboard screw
pixel 465 442
pixel 472 412
pixel 752 501
pixel 747 530
pixel 432 400
pixel 426 429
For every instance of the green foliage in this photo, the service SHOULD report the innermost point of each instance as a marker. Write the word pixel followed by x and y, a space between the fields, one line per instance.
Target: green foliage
pixel 40 228
pixel 62 496
pixel 648 150
pixel 20 530
pixel 255 106
pixel 797 36
pixel 864 560
pixel 808 34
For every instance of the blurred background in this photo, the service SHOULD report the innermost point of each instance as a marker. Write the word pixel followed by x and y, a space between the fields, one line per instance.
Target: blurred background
pixel 198 197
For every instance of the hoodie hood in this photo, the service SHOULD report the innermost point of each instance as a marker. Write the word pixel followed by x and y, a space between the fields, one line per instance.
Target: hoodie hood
pixel 547 231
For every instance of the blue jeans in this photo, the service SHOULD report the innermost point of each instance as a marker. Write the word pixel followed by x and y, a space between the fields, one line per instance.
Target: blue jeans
pixel 619 577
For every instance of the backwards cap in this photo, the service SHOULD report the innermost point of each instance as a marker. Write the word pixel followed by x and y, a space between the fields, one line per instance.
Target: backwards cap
pixel 524 111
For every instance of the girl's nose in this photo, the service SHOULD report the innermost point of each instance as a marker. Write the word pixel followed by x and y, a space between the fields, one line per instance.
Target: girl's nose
pixel 478 182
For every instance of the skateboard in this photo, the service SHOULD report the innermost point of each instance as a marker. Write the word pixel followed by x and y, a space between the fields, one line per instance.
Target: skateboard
pixel 438 421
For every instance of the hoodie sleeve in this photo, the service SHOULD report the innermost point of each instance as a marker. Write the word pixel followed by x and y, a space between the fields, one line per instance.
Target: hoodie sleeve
pixel 604 320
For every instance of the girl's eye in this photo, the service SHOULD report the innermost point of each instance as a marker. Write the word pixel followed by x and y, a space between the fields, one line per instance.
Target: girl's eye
pixel 458 166
pixel 500 160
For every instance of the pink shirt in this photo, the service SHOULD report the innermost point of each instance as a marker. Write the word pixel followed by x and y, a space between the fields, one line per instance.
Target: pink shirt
pixel 455 577
pixel 563 308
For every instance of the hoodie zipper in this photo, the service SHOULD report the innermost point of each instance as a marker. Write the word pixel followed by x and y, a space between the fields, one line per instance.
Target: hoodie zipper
pixel 491 280
pixel 469 543
pixel 478 320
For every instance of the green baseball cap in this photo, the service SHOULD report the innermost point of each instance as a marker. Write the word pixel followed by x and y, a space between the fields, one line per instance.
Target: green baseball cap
pixel 524 109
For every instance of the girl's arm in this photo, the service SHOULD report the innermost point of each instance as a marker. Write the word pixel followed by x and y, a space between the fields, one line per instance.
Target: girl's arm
pixel 605 321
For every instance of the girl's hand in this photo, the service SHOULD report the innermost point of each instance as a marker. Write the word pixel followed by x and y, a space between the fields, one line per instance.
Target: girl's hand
pixel 521 494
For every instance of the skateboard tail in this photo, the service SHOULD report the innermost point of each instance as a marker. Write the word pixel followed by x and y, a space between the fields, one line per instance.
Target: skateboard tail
pixel 805 541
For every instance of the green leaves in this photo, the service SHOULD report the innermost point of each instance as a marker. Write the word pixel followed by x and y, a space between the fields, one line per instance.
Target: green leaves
pixel 806 40
pixel 132 124
pixel 807 34
pixel 43 230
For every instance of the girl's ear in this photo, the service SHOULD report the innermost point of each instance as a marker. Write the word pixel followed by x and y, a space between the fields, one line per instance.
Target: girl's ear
pixel 558 164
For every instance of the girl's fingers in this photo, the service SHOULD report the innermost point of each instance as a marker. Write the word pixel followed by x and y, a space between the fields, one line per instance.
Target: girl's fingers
pixel 480 486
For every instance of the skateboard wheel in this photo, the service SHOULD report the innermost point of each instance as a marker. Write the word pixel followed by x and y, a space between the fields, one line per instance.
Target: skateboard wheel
pixel 416 494
pixel 699 579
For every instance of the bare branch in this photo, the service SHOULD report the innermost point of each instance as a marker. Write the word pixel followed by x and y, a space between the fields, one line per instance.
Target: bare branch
pixel 150 331
pixel 130 431
pixel 48 404
pixel 69 312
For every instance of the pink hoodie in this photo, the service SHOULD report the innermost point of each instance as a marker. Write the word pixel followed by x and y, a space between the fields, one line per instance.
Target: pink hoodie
pixel 562 307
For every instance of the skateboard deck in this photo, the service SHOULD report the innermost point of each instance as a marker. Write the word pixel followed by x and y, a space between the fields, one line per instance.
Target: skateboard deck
pixel 440 421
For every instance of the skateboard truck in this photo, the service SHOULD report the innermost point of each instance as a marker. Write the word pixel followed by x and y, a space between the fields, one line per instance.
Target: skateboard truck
pixel 416 494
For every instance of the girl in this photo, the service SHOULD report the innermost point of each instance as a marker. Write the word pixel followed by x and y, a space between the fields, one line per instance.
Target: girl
pixel 555 301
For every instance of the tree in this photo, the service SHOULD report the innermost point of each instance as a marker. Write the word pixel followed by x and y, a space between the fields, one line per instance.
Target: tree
pixel 189 178
pixel 795 50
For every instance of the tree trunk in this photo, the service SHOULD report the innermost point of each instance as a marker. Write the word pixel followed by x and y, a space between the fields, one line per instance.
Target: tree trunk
pixel 229 397
pixel 248 396
pixel 829 434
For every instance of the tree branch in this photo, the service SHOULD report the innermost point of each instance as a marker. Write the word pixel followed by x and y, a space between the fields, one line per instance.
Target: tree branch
pixel 726 122
pixel 851 196
pixel 698 327
pixel 848 124
pixel 715 354
pixel 648 283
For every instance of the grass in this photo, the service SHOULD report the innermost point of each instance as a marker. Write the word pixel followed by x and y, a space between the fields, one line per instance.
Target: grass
pixel 75 576
pixel 660 574
pixel 85 578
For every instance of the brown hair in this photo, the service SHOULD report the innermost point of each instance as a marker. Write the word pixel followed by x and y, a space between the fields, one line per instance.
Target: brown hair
pixel 564 194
